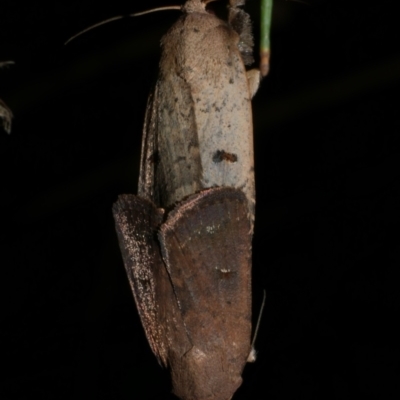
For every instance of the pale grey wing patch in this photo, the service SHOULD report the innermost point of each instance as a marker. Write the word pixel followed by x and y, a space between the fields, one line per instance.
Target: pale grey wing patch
pixel 179 168
pixel 222 107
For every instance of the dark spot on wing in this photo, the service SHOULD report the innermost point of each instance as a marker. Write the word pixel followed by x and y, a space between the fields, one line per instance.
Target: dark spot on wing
pixel 221 155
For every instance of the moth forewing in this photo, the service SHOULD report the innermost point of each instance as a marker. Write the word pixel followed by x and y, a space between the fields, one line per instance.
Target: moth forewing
pixel 137 221
pixel 206 247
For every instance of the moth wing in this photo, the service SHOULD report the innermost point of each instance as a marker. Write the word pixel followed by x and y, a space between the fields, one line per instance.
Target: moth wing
pixel 206 245
pixel 137 221
pixel 169 170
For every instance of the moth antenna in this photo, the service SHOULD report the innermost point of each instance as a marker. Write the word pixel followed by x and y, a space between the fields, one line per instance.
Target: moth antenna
pixel 121 17
pixel 253 354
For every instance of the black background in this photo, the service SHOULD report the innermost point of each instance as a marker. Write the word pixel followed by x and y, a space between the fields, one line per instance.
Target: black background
pixel 326 246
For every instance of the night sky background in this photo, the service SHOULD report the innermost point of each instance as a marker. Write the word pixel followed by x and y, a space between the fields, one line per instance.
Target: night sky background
pixel 326 244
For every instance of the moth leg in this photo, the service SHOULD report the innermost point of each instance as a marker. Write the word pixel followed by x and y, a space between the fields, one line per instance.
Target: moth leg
pixel 253 79
pixel 252 356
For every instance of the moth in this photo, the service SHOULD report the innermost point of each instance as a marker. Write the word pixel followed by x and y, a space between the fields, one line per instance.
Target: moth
pixel 186 238
pixel 198 130
pixel 189 270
